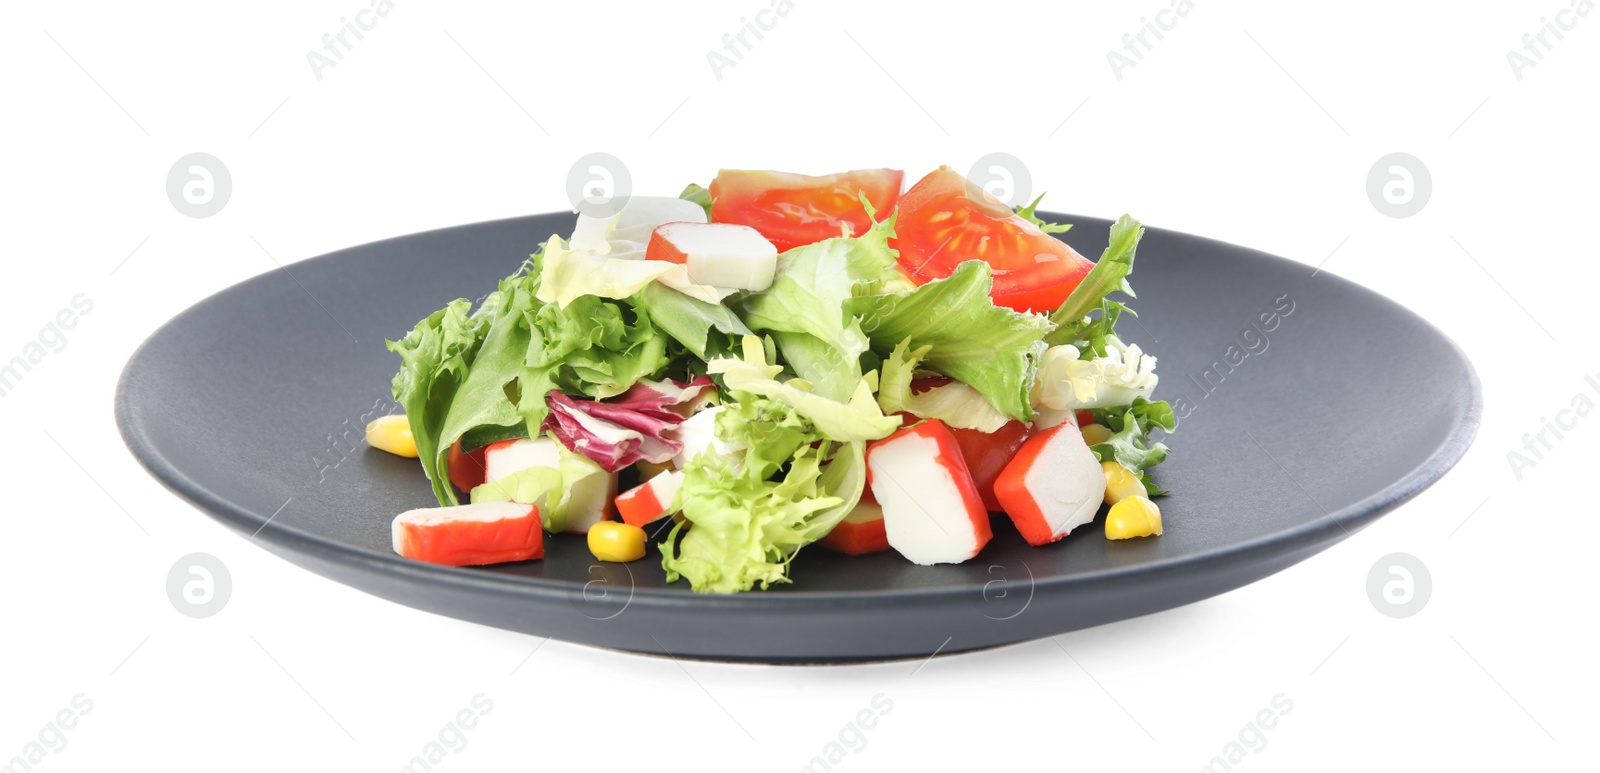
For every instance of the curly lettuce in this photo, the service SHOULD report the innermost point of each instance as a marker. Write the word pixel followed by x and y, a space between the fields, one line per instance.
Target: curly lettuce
pixel 435 361
pixel 1110 274
pixel 744 530
pixel 992 349
pixel 953 403
pixel 1130 444
pixel 857 419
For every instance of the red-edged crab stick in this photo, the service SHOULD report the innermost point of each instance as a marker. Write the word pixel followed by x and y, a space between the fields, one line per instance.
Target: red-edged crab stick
pixel 932 513
pixel 469 535
pixel 1053 485
pixel 651 500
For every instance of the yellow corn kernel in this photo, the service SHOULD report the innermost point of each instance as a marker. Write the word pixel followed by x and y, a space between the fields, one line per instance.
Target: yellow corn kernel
pixel 1133 517
pixel 1120 483
pixel 1095 434
pixel 392 434
pixel 616 541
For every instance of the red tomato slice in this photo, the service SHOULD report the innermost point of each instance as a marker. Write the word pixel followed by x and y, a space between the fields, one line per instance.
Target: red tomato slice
pixel 466 469
pixel 986 453
pixel 861 532
pixel 792 210
pixel 945 220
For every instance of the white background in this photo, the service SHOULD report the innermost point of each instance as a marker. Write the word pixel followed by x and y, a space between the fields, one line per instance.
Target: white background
pixel 1252 122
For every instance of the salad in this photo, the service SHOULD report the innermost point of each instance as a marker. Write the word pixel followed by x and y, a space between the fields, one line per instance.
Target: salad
pixel 776 361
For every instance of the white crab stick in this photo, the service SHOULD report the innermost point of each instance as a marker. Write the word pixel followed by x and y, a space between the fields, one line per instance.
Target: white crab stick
pixel 651 500
pixel 1052 486
pixel 588 499
pixel 469 535
pixel 718 254
pixel 932 513
pixel 628 231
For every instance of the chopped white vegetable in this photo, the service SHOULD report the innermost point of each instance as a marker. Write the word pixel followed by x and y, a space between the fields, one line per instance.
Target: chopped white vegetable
pixel 1066 382
pixel 723 254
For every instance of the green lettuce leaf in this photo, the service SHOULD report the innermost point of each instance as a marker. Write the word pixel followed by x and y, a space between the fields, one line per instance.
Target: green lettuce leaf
pixel 1130 444
pixel 744 531
pixel 705 329
pixel 1027 213
pixel 482 399
pixel 831 373
pixel 494 368
pixel 954 403
pixel 548 487
pixel 805 306
pixel 858 419
pixel 539 486
pixel 1109 275
pixel 435 358
pixel 991 349
pixel 595 347
pixel 696 193
pixel 769 431
pixel 569 273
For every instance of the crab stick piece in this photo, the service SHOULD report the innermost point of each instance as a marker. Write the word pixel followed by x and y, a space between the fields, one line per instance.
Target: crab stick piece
pixel 932 513
pixel 588 497
pixel 470 535
pixel 861 532
pixel 1052 486
pixel 651 500
pixel 717 254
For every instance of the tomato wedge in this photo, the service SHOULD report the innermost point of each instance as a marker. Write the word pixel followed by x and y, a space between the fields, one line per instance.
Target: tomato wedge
pixel 946 220
pixel 792 210
pixel 986 453
pixel 466 468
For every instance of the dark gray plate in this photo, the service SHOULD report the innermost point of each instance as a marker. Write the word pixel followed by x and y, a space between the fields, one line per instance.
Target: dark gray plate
pixel 1295 432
